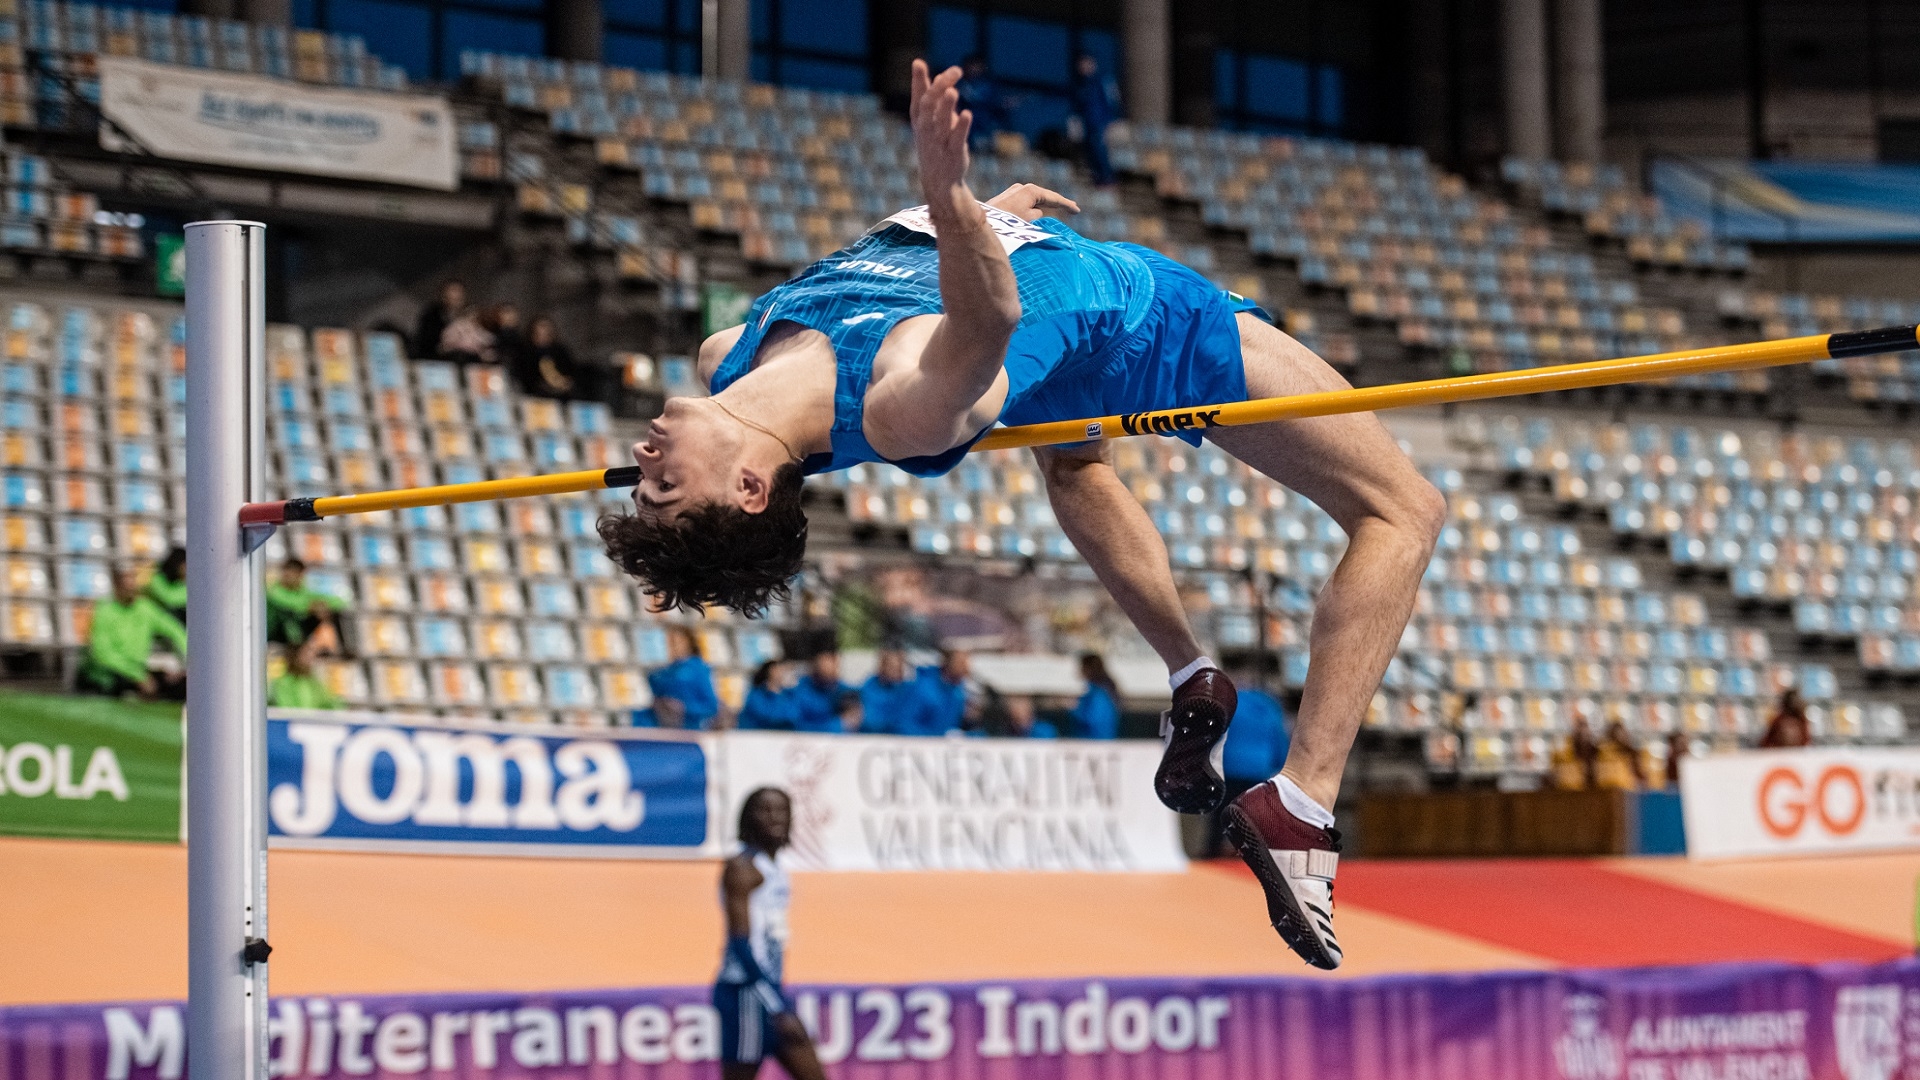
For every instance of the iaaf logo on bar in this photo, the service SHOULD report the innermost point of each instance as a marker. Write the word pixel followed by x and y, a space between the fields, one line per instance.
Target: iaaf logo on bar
pixel 387 775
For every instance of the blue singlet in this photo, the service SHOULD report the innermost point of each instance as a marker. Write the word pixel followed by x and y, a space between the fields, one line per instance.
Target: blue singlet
pixel 1104 329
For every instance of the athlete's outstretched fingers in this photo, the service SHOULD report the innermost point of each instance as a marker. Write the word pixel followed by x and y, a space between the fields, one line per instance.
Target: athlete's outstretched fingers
pixel 1030 201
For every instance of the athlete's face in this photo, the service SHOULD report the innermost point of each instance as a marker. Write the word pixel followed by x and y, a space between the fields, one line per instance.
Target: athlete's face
pixel 691 457
pixel 772 818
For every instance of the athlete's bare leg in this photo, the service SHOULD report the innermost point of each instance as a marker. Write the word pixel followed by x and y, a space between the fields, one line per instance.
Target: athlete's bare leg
pixel 1111 530
pixel 1351 468
pixel 795 1049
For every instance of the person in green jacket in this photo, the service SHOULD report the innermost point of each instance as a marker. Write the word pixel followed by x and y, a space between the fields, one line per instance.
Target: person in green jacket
pixel 122 640
pixel 167 586
pixel 299 687
pixel 296 613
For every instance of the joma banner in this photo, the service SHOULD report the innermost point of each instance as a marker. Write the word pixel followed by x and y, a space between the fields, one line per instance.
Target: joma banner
pixel 255 122
pixel 885 803
pixel 1717 1022
pixel 369 781
pixel 1763 803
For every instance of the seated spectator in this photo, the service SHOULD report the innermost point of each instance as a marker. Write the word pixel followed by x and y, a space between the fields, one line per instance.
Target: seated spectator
pixel 298 687
pixel 980 94
pixel 167 586
pixel 1789 727
pixel 820 698
pixel 769 705
pixel 502 320
pixel 466 340
pixel 942 701
pixel 1616 761
pixel 121 642
pixel 889 698
pixel 296 613
pixel 543 366
pixel 435 316
pixel 1097 715
pixel 1574 760
pixel 1678 748
pixel 683 695
pixel 1021 722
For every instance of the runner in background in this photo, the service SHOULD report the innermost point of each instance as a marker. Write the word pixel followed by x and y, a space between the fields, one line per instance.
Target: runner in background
pixel 756 1019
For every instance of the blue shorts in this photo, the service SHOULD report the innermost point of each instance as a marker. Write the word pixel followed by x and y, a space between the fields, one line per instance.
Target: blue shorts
pixel 746 1021
pixel 1184 353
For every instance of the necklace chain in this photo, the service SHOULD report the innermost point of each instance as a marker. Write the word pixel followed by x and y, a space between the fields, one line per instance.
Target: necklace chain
pixel 761 428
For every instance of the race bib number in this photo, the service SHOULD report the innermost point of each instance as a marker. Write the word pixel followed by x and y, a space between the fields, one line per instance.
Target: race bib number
pixel 1013 231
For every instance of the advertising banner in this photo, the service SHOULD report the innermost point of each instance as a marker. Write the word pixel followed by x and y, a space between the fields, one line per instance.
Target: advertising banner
pixel 374 782
pixel 882 803
pixel 256 122
pixel 89 767
pixel 1749 1021
pixel 1762 803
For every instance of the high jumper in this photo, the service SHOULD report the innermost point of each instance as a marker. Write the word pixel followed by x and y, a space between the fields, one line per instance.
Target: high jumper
pixel 907 346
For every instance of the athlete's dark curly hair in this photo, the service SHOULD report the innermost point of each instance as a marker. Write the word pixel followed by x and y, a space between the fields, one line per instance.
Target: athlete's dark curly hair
pixel 716 554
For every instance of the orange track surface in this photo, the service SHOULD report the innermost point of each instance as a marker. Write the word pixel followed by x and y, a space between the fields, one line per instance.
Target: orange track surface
pixel 92 921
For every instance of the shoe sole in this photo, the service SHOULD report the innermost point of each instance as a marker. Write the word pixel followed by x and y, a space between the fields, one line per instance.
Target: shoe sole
pixel 1187 781
pixel 1282 910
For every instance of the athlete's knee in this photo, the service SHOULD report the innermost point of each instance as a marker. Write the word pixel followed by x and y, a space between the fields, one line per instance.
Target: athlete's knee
pixel 1066 467
pixel 1418 509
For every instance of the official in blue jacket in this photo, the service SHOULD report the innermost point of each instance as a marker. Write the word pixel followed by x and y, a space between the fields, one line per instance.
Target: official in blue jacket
pixel 1097 715
pixel 888 699
pixel 683 695
pixel 942 696
pixel 821 699
pixel 769 705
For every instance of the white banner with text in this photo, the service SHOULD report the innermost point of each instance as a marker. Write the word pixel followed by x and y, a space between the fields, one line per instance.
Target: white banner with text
pixel 255 122
pixel 1761 803
pixel 885 803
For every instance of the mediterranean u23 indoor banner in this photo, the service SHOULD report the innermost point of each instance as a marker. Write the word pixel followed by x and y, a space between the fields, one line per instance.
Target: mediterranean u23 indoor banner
pixel 252 121
pixel 372 782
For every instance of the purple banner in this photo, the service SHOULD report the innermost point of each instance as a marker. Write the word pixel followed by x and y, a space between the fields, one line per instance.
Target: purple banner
pixel 1718 1022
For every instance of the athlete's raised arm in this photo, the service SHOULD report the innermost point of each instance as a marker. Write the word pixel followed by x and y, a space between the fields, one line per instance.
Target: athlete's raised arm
pixel 929 404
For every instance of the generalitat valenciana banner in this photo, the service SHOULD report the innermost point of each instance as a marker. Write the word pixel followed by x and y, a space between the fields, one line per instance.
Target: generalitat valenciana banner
pixel 866 802
pixel 251 121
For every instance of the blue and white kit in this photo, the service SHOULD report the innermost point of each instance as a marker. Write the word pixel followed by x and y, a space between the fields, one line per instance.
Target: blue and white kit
pixel 1104 328
pixel 747 991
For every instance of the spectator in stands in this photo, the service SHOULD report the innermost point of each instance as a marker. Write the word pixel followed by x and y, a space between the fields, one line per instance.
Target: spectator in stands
pixel 466 340
pixel 943 703
pixel 821 699
pixel 1021 722
pixel 980 93
pixel 1616 760
pixel 683 695
pixel 1789 726
pixel 1573 760
pixel 1678 746
pixel 543 366
pixel 296 613
pixel 502 320
pixel 1096 103
pixel 889 698
pixel 298 687
pixel 121 642
pixel 435 316
pixel 1255 748
pixel 769 705
pixel 1097 714
pixel 167 586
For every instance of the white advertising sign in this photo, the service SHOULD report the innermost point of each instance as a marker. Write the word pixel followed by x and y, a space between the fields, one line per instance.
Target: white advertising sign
pixel 1763 803
pixel 259 123
pixel 887 803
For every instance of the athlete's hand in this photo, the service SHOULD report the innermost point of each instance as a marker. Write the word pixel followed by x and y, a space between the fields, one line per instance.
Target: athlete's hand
pixel 940 129
pixel 1032 202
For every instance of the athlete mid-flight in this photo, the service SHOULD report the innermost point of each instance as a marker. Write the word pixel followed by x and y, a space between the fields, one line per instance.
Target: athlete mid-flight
pixel 943 320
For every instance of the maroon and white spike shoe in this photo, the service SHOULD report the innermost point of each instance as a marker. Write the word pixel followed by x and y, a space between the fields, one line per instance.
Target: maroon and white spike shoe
pixel 1295 863
pixel 1194 731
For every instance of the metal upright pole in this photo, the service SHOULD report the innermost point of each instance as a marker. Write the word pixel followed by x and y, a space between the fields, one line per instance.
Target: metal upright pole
pixel 226 666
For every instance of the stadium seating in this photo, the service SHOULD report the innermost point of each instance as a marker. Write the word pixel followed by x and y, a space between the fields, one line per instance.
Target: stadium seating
pixel 507 607
pixel 1891 379
pixel 1609 208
